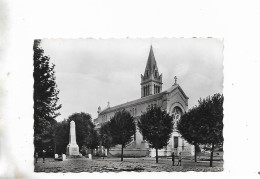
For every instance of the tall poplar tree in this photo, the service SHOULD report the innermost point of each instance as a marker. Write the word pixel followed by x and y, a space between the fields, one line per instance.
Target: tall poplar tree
pixel 45 100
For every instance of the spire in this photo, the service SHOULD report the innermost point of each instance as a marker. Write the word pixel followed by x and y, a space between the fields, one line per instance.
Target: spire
pixel 151 63
pixel 151 81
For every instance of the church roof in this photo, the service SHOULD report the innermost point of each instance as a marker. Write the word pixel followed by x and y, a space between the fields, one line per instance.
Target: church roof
pixel 174 87
pixel 144 99
pixel 134 102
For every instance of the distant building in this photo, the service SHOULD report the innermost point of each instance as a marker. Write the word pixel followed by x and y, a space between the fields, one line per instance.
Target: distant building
pixel 173 100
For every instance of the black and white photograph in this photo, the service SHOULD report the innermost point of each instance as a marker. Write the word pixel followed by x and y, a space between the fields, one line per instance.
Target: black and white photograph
pixel 144 105
pixel 129 89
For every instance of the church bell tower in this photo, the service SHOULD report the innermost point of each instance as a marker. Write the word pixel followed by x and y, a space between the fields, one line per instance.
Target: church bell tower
pixel 151 81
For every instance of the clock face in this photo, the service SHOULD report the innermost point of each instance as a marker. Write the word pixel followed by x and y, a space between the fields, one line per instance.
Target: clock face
pixel 176 115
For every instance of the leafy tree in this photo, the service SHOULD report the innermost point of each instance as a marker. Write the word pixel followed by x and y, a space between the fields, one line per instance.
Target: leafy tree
pixel 92 139
pixel 156 126
pixel 86 134
pixel 122 129
pixel 45 100
pixel 187 126
pixel 106 139
pixel 211 119
pixel 62 136
pixel 205 123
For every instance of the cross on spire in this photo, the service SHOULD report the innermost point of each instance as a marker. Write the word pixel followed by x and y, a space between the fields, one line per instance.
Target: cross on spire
pixel 175 78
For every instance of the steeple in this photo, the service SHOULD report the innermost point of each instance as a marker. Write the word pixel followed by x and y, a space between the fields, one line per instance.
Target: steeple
pixel 151 63
pixel 151 81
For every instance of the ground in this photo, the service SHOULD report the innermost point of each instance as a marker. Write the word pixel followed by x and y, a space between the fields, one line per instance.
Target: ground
pixel 129 164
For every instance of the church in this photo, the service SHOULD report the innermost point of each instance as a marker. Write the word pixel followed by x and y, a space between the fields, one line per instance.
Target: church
pixel 173 100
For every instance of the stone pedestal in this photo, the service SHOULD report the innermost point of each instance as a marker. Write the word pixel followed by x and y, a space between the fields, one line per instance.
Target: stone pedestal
pixel 90 156
pixel 72 148
pixel 63 157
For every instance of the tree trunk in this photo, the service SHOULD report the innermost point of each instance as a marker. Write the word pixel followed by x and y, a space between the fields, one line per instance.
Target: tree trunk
pixel 156 155
pixel 122 152
pixel 211 155
pixel 195 156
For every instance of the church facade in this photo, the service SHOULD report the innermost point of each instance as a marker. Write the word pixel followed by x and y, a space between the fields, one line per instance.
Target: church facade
pixel 173 100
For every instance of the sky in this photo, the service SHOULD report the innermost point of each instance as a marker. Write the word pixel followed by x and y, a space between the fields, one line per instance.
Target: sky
pixel 93 72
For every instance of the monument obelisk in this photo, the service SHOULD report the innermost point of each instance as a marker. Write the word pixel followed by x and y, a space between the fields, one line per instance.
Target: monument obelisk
pixel 72 147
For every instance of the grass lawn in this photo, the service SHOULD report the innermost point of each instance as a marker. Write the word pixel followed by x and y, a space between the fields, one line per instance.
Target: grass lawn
pixel 129 164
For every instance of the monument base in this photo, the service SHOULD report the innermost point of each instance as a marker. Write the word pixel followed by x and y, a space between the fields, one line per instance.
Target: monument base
pixel 72 150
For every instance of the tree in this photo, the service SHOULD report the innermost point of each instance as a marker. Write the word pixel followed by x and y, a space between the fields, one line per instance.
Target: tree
pixel 45 100
pixel 187 126
pixel 122 129
pixel 92 139
pixel 211 119
pixel 205 123
pixel 156 126
pixel 106 139
pixel 62 131
pixel 86 135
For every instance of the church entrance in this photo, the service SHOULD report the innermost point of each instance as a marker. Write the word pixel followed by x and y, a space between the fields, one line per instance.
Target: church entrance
pixel 176 145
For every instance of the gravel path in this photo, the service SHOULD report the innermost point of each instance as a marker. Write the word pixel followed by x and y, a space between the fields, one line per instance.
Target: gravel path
pixel 129 164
